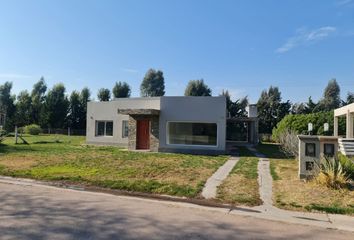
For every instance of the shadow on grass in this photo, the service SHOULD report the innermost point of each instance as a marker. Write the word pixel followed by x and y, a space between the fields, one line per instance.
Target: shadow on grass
pixel 47 142
pixel 272 150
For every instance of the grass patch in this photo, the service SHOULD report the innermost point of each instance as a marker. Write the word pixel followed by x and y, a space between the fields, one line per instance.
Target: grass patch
pixel 271 150
pixel 273 172
pixel 331 209
pixel 289 192
pixel 246 166
pixel 63 158
pixel 241 186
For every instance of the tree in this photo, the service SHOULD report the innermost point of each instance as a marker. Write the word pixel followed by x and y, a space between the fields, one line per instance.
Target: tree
pixel 197 88
pixel 23 109
pixel 238 108
pixel 310 106
pixel 38 99
pixel 153 84
pixel 271 109
pixel 75 110
pixel 56 106
pixel 299 108
pixel 7 104
pixel 121 90
pixel 331 97
pixel 104 95
pixel 226 94
pixel 350 98
pixel 84 99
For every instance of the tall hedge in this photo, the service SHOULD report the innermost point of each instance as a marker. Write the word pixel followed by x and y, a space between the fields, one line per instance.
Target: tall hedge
pixel 299 123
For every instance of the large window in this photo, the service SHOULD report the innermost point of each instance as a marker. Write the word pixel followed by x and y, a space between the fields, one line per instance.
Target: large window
pixel 104 128
pixel 191 133
pixel 125 129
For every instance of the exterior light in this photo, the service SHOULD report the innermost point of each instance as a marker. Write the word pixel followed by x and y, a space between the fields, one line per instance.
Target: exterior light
pixel 309 128
pixel 326 127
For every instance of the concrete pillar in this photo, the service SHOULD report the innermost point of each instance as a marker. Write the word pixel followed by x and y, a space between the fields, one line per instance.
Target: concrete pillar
pixel 335 132
pixel 349 130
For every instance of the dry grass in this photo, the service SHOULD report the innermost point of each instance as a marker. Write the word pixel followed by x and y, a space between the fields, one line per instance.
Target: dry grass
pixel 66 158
pixel 241 186
pixel 289 192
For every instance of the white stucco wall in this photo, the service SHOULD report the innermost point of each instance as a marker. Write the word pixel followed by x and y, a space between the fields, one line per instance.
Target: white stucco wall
pixel 108 111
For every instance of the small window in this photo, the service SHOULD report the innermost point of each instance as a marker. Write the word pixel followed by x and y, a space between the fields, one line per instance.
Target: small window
pixel 310 150
pixel 125 129
pixel 104 128
pixel 309 166
pixel 328 149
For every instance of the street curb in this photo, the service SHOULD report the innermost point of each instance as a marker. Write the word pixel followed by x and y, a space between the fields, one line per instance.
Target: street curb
pixel 256 212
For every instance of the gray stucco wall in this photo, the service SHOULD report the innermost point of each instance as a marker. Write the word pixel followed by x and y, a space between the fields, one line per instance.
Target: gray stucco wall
pixel 108 111
pixel 193 109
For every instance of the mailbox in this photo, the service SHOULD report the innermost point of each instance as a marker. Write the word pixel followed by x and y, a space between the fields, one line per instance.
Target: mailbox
pixel 312 149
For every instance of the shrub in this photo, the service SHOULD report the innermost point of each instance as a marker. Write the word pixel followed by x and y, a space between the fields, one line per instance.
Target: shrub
pixel 331 173
pixel 2 132
pixel 289 142
pixel 33 129
pixel 299 123
pixel 348 166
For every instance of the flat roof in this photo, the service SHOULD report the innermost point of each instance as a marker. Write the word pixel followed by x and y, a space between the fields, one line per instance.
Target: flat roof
pixel 139 111
pixel 344 110
pixel 317 137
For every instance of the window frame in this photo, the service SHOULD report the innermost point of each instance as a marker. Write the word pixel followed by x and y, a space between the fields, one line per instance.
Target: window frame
pixel 104 129
pixel 123 128
pixel 314 150
pixel 191 145
pixel 324 149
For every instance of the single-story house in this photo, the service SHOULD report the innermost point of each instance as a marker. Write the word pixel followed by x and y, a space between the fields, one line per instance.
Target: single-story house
pixel 160 124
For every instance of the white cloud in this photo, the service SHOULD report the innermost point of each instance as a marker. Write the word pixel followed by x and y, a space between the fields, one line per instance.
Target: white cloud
pixel 303 37
pixel 129 70
pixel 14 76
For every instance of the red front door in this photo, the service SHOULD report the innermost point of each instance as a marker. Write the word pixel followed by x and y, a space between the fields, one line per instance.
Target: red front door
pixel 143 134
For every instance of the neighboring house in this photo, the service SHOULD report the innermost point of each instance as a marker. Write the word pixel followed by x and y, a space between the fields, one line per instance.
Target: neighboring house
pixel 346 145
pixel 160 124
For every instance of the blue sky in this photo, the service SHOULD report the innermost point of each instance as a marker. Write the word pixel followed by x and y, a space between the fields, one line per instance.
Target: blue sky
pixel 244 46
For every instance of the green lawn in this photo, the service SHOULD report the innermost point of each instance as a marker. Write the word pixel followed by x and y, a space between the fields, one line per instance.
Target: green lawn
pixel 63 158
pixel 241 186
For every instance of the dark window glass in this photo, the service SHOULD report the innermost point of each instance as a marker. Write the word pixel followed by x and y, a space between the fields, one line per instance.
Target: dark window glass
pixel 310 150
pixel 109 128
pixel 328 149
pixel 104 128
pixel 188 133
pixel 125 129
pixel 100 128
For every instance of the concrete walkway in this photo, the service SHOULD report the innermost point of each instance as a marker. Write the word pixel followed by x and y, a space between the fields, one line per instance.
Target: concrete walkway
pixel 265 179
pixel 210 188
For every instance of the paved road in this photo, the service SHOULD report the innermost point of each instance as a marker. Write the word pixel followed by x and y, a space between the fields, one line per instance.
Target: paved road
pixel 40 212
